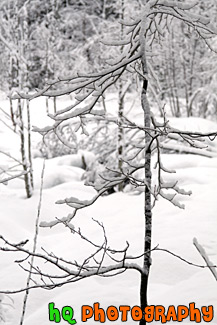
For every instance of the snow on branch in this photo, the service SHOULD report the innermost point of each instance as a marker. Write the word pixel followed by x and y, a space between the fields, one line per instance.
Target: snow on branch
pixel 114 179
pixel 185 149
pixel 202 252
pixel 5 180
pixel 132 49
pixel 102 261
pixel 12 172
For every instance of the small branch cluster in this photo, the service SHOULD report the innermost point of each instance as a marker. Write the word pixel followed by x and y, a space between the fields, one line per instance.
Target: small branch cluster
pixel 103 261
pixel 7 173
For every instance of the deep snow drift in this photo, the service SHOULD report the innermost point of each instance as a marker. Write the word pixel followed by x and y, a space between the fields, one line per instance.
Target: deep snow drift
pixel 172 282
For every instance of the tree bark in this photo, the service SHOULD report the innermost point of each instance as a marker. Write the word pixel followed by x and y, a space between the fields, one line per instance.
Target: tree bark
pixel 147 208
pixel 121 110
pixel 23 152
pixel 29 143
pixel 148 180
pixel 55 105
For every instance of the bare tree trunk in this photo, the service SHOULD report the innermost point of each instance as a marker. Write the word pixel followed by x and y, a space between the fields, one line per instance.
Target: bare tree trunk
pixel 148 210
pixel 104 9
pixel 176 97
pixel 147 207
pixel 189 110
pixel 55 105
pixel 24 82
pixel 23 152
pixel 185 83
pixel 120 131
pixel 34 248
pixel 12 114
pixel 169 82
pixel 121 110
pixel 47 105
pixel 29 143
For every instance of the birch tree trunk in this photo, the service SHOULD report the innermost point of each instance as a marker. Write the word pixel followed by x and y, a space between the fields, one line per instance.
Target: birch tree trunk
pixel 23 151
pixel 55 105
pixel 24 82
pixel 29 142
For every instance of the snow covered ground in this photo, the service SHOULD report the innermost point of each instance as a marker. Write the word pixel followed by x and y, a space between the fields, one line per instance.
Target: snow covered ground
pixel 172 282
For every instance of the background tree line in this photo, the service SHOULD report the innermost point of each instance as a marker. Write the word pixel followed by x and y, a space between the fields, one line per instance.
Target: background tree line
pixel 43 41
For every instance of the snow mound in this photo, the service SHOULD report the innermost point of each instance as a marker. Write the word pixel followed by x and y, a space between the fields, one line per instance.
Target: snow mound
pixel 57 172
pixel 195 124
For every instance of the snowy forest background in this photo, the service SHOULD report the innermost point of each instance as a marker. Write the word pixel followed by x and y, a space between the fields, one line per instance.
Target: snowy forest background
pixel 54 144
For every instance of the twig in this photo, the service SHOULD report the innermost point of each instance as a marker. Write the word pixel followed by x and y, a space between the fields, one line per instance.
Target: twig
pixel 34 246
pixel 182 259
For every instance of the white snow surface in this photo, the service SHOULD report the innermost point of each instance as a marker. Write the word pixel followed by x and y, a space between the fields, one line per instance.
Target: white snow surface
pixel 172 282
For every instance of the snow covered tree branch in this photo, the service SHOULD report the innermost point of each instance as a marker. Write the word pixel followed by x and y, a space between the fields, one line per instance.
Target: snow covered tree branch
pixel 103 261
pixel 202 252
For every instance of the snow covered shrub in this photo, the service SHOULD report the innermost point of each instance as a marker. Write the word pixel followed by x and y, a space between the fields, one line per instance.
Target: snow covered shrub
pixel 103 142
pixel 207 103
pixel 62 141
